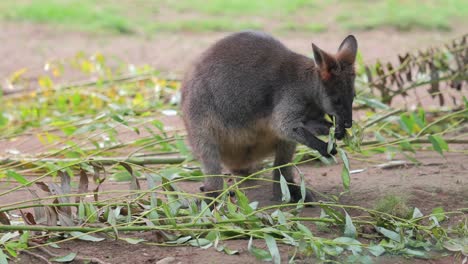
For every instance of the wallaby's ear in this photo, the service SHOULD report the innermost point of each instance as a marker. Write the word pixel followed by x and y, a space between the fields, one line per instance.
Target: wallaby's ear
pixel 348 49
pixel 324 61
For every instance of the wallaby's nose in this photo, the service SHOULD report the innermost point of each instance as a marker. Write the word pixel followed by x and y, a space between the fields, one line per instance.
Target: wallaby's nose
pixel 348 124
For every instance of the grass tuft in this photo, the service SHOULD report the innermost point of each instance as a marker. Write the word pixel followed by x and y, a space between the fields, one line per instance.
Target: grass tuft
pixel 393 205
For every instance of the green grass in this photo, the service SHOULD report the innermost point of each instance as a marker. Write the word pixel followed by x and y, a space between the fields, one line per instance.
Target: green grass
pixel 205 25
pixel 242 7
pixel 393 205
pixel 151 16
pixel 83 14
pixel 404 15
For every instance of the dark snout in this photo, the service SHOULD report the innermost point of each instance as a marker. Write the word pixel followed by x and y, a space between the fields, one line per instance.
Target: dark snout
pixel 348 123
pixel 341 126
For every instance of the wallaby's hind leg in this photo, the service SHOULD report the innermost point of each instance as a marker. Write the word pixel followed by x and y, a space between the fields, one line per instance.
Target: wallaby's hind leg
pixel 208 154
pixel 284 154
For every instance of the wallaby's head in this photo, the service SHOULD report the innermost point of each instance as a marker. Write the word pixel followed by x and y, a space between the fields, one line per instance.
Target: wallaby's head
pixel 337 75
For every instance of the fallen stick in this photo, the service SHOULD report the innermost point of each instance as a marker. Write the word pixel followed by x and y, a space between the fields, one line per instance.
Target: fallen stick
pixel 101 160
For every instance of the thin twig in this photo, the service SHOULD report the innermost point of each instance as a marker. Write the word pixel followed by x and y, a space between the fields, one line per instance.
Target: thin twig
pixel 101 160
pixel 53 255
pixel 35 255
pixel 125 78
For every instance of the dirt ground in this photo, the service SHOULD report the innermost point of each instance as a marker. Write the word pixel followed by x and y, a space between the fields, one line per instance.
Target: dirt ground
pixel 25 45
pixel 437 182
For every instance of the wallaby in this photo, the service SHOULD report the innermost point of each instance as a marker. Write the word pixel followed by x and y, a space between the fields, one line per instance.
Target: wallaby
pixel 249 96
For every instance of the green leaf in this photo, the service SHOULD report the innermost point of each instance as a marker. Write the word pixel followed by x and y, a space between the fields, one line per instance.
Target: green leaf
pixel 227 250
pixel 3 120
pixel 274 251
pixel 303 190
pixel 24 238
pixel 457 245
pixel 389 234
pixel 333 250
pixel 18 177
pixel 376 250
pixel 379 137
pixel 91 213
pixel 3 257
pixel 281 217
pixel 345 178
pixel 439 213
pixel 68 258
pixel 407 123
pixel 199 242
pixel 53 245
pixel 417 213
pixel 45 82
pixel 350 229
pixel 350 244
pixel 333 213
pixel 305 230
pixel 286 196
pixel 83 236
pixel 259 253
pixel 415 253
pixel 8 236
pixel 243 202
pixel 81 211
pixel 119 119
pixel 331 139
pixel 133 241
pixel 438 143
pixel 180 240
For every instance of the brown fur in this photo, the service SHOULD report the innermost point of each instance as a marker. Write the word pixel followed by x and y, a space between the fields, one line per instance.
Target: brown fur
pixel 248 97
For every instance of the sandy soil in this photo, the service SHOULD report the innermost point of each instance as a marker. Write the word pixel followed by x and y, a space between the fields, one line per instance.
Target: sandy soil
pixel 29 45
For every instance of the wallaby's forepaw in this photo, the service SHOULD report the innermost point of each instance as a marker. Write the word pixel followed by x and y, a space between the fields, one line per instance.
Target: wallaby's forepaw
pixel 324 151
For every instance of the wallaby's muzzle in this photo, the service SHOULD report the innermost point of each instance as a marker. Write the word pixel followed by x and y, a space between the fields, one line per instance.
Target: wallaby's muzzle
pixel 348 123
pixel 340 127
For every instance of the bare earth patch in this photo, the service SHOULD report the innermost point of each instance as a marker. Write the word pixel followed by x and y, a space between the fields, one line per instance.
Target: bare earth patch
pixel 26 45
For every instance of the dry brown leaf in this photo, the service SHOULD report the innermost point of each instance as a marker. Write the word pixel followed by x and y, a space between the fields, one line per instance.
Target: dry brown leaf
pixel 83 186
pixel 28 218
pixel 4 220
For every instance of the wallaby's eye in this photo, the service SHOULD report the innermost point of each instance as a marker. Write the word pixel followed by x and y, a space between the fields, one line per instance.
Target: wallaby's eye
pixel 336 101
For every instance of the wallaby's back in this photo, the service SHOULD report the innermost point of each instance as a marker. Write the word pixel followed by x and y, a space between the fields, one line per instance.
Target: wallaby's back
pixel 237 80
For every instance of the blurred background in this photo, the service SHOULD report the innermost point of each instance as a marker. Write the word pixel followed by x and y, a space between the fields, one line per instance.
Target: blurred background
pixel 168 35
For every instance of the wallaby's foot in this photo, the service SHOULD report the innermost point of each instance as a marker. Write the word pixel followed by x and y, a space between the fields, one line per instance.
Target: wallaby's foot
pixel 296 194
